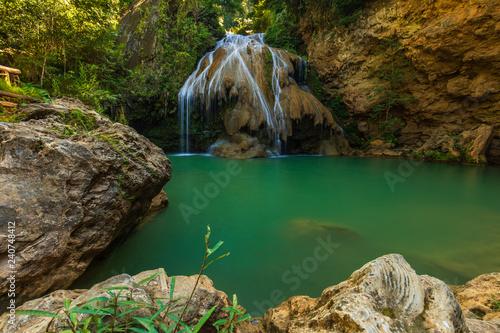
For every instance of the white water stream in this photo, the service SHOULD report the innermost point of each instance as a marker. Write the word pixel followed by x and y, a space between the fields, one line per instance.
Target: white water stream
pixel 205 86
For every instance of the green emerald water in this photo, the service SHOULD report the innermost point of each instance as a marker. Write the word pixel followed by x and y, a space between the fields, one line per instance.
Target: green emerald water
pixel 296 225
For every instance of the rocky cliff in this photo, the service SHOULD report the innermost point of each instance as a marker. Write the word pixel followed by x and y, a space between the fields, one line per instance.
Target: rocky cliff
pixel 71 181
pixel 453 52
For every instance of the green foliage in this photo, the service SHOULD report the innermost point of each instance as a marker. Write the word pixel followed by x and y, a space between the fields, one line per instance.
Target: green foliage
pixel 68 47
pixel 183 37
pixel 338 107
pixel 115 311
pixel 392 71
pixel 235 316
pixel 347 10
pixel 283 32
pixel 11 117
pixel 269 65
pixel 26 89
pixel 313 82
pixel 79 120
pixel 84 83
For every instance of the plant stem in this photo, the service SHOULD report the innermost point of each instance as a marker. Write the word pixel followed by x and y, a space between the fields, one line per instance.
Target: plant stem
pixel 194 288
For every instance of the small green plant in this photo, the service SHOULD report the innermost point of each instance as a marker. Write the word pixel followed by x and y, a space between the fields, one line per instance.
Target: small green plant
pixel 208 251
pixel 235 316
pixel 12 117
pixel 40 143
pixel 495 304
pixel 392 71
pixel 115 311
pixel 338 107
pixel 79 119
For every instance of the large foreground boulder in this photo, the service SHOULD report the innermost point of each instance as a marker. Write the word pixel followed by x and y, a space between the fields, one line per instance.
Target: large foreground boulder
pixel 71 181
pixel 385 295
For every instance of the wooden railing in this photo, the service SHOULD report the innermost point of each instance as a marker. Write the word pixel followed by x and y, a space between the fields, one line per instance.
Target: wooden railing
pixel 11 76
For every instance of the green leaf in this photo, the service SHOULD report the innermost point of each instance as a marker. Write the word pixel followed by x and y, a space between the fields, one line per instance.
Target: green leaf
pixel 174 318
pixel 220 322
pixel 144 321
pixel 245 317
pixel 212 250
pixel 204 319
pixel 87 323
pixel 207 236
pixel 172 287
pixel 66 303
pixel 138 330
pixel 97 299
pixel 37 313
pixel 127 303
pixel 96 312
pixel 148 279
pixel 129 311
pixel 235 301
pixel 222 256
pixel 117 288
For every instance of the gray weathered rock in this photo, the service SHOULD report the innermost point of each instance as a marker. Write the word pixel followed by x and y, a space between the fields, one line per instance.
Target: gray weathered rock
pixel 72 181
pixel 385 295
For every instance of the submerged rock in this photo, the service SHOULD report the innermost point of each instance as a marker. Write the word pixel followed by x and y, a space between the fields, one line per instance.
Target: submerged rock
pixel 71 181
pixel 301 228
pixel 385 295
pixel 240 146
pixel 204 298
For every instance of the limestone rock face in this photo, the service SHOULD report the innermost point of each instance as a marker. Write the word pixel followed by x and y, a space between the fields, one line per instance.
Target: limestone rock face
pixel 454 50
pixel 385 295
pixel 204 298
pixel 71 181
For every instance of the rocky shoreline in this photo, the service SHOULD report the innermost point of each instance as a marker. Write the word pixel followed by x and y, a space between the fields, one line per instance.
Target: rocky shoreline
pixel 385 295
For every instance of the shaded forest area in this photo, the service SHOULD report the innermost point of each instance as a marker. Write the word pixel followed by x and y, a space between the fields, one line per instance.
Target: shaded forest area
pixel 69 48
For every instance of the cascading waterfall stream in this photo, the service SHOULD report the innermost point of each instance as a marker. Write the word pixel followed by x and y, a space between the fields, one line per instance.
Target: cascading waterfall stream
pixel 232 70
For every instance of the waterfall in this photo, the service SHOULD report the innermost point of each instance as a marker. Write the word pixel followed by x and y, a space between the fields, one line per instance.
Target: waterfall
pixel 235 68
